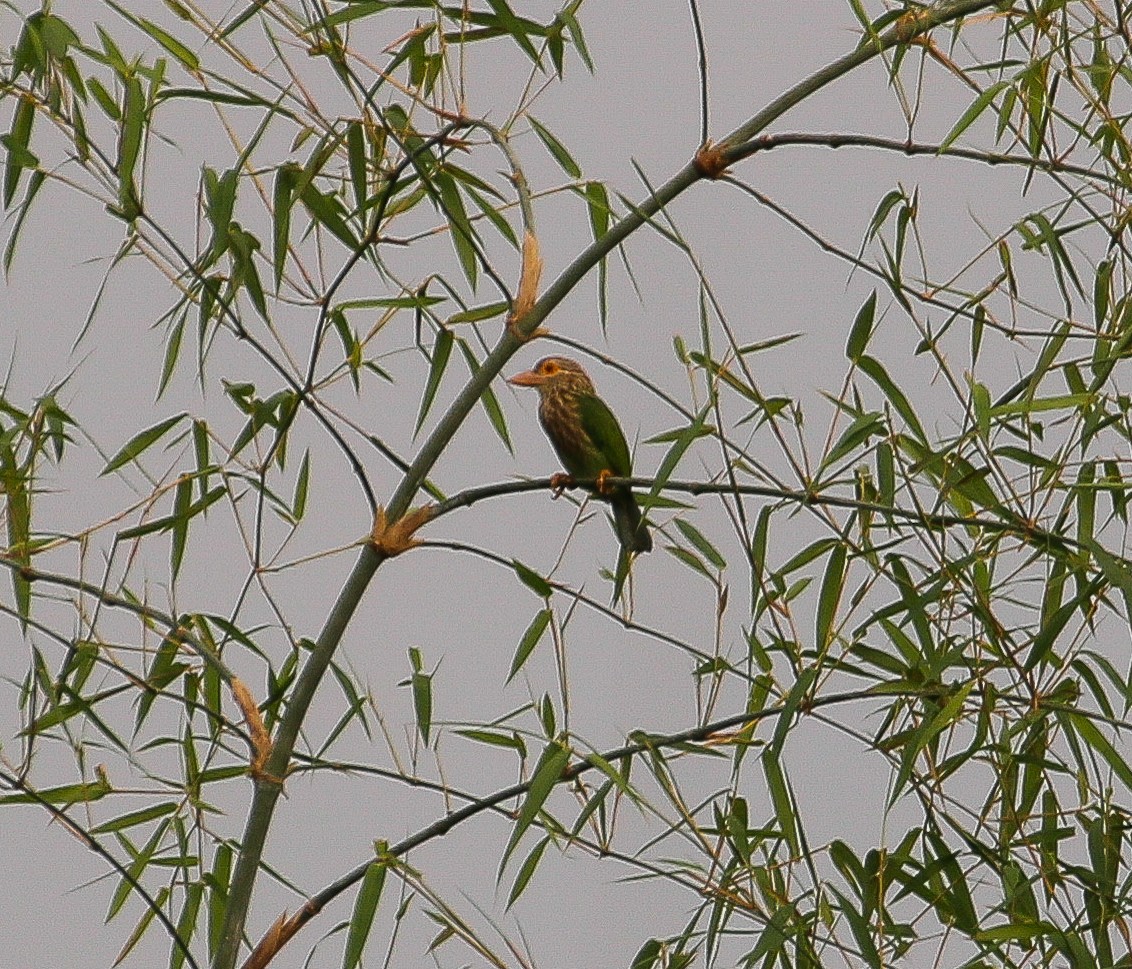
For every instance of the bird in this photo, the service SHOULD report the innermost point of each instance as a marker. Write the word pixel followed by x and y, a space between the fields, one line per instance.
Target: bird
pixel 588 440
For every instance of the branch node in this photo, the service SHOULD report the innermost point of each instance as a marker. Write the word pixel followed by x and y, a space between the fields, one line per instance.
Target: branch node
pixel 260 738
pixel 909 27
pixel 393 538
pixel 710 161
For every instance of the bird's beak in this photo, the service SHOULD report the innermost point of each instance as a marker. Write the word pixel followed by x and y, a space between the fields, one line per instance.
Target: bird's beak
pixel 528 378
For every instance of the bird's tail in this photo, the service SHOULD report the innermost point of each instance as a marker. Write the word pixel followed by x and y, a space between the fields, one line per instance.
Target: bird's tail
pixel 632 532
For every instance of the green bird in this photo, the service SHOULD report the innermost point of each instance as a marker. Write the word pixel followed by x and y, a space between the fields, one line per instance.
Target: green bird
pixel 588 440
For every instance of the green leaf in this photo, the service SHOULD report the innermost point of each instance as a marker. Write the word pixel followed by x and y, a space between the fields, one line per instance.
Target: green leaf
pixel 831 586
pixel 556 149
pixel 477 313
pixel 159 902
pixel 530 639
pixel 421 683
pixel 212 97
pixel 866 426
pixel 35 183
pixel 672 457
pixel 463 233
pixel 172 351
pixel 516 27
pixel 648 955
pixel 83 793
pixel 182 501
pixel 356 156
pixel 183 54
pixel 532 580
pixel 862 329
pixel 947 714
pixel 326 209
pixel 976 108
pixel 861 928
pixel 526 871
pixel 243 247
pixel 690 559
pixel 1117 571
pixel 220 202
pixel 140 442
pixel 875 370
pixel 781 799
pixel 576 36
pixel 511 741
pixel 218 894
pixel 172 521
pixel 129 147
pixel 186 924
pixel 282 202
pixel 16 142
pixel 600 213
pixel 302 487
pixel 365 908
pixel 440 354
pixel 705 548
pixel 547 773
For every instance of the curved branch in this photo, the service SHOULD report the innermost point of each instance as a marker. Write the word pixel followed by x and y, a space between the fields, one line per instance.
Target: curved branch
pixel 914 148
pixel 266 795
pixel 1007 525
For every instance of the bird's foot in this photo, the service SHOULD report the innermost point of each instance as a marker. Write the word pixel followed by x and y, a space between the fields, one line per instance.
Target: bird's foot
pixel 560 482
pixel 602 482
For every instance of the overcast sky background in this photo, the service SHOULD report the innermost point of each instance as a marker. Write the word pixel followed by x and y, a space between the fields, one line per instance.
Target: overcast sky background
pixel 641 106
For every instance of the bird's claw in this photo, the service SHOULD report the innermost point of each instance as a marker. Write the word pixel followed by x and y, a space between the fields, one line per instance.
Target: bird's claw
pixel 602 482
pixel 560 482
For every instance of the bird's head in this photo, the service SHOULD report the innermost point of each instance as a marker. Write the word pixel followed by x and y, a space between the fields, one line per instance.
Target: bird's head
pixel 553 375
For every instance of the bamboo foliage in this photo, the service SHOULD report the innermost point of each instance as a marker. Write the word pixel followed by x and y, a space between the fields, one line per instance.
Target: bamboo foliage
pixel 927 557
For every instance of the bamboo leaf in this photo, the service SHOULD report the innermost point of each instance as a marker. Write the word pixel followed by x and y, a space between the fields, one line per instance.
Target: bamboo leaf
pixel 529 641
pixel 880 377
pixel 526 871
pixel 302 487
pixel 129 147
pixel 781 799
pixel 365 908
pixel 16 143
pixel 705 548
pixel 356 156
pixel 547 773
pixel 141 442
pixel 974 110
pixel 440 355
pixel 829 597
pixel 862 329
pixel 182 501
pixel 184 55
pixel 186 924
pixel 556 149
pixel 532 580
pixel 283 199
pixel 462 231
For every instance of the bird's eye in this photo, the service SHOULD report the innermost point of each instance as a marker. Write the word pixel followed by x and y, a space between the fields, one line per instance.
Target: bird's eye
pixel 550 368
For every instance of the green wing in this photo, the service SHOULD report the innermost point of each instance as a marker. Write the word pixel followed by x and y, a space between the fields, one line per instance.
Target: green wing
pixel 605 433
